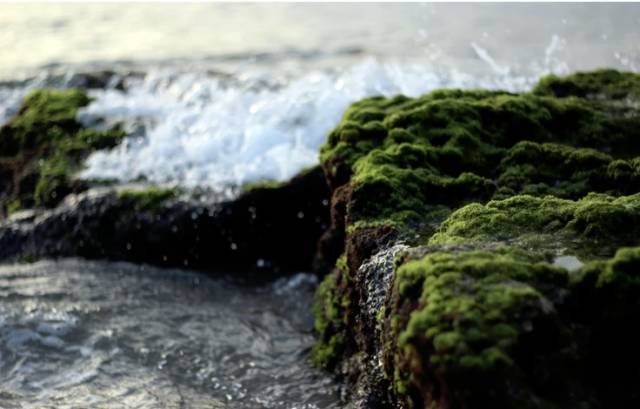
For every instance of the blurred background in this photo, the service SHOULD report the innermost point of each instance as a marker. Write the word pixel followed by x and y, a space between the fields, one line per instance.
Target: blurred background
pixel 224 93
pixel 501 38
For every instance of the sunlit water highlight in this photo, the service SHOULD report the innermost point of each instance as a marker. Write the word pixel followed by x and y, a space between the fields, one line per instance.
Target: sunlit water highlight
pixel 103 335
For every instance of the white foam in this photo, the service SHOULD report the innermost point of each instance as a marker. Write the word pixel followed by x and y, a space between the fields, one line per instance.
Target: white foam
pixel 208 131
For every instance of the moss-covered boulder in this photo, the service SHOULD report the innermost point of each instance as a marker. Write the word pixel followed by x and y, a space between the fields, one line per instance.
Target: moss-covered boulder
pixel 43 146
pixel 487 189
pixel 508 328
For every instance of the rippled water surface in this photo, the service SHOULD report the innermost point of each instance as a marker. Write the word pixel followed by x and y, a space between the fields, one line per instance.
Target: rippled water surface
pixel 103 335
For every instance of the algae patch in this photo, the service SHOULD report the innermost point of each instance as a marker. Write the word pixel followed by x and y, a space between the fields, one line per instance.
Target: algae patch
pixel 489 188
pixel 148 199
pixel 43 146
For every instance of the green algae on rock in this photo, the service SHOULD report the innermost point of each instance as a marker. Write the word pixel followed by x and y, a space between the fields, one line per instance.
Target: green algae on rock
pixel 149 198
pixel 604 84
pixel 505 329
pixel 593 225
pixel 496 184
pixel 43 145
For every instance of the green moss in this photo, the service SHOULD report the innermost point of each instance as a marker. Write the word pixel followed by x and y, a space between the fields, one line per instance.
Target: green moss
pixel 618 277
pixel 43 146
pixel 329 322
pixel 455 147
pixel 594 224
pixel 13 207
pixel 604 84
pixel 563 171
pixel 553 171
pixel 45 117
pixel 474 309
pixel 263 184
pixel 148 199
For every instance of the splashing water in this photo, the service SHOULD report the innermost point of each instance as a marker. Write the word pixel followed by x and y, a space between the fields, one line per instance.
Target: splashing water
pixel 210 131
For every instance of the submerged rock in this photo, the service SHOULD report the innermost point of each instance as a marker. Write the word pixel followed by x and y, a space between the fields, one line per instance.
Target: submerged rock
pixel 449 214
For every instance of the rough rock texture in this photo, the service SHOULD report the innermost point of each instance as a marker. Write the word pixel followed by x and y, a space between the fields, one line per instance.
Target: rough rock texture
pixel 265 229
pixel 453 217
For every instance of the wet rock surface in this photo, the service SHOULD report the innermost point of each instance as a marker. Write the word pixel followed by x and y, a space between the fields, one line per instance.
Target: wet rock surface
pixel 270 229
pixel 480 231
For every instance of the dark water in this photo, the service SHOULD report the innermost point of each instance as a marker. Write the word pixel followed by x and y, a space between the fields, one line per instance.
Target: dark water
pixel 78 334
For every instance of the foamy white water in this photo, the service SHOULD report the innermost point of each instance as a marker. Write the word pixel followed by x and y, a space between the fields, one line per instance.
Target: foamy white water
pixel 212 131
pixel 286 72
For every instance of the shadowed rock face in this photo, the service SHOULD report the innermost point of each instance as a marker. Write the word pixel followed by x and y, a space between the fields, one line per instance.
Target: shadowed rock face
pixel 270 229
pixel 453 208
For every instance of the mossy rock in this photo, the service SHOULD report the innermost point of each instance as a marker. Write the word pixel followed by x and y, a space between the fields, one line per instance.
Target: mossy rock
pixel 43 146
pixel 453 148
pixel 496 185
pixel 604 84
pixel 148 199
pixel 592 226
pixel 504 329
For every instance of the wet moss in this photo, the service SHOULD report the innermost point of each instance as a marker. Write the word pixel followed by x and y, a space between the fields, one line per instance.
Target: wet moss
pixel 148 199
pixel 330 323
pixel 473 306
pixel 504 328
pixel 263 184
pixel 564 171
pixel 519 178
pixel 595 224
pixel 43 146
pixel 455 147
pixel 604 84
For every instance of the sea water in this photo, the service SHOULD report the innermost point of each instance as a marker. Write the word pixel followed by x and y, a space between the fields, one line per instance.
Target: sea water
pixel 79 334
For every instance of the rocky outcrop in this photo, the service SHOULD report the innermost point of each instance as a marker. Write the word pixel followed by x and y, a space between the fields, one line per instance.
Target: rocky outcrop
pixel 264 229
pixel 43 146
pixel 489 249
